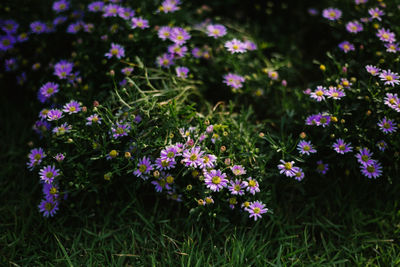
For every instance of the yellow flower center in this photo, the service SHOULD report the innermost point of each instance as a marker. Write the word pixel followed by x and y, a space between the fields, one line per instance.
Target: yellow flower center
pixel 237 187
pixel 256 210
pixel 53 190
pixel 142 168
pixel 37 157
pixel 288 166
pixel 389 77
pixel 319 93
pixel 170 179
pixel 49 174
pixel 164 163
pixel 306 148
pixel 252 183
pixel 193 157
pixel 216 180
pixel 386 125
pixel 48 206
pixel 342 147
pixel 371 169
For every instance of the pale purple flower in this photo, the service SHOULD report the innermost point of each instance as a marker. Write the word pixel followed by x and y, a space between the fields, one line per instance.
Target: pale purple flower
pixel 237 187
pixel 126 13
pixel 165 164
pixel 374 71
pixel 48 173
pixel 255 209
pixel 390 78
pixel 250 45
pixel 179 35
pixel 318 120
pixel 169 6
pixel 48 207
pixel 62 129
pixel 298 173
pixel 364 156
pixel 392 47
pixel 38 27
pixel 116 50
pixel 93 119
pixel 235 46
pixel 305 147
pixel 238 170
pixel 335 93
pixel 63 69
pixel 96 6
pixel 60 6
pixel 382 145
pixel 215 180
pixel 196 52
pixel 47 90
pixel 111 10
pixel 165 60
pixel 120 129
pixel 341 147
pixel 161 184
pixel 373 170
pixel 35 157
pixel 140 23
pixel 387 125
pixel 177 50
pixel 72 107
pixel 376 13
pixel 286 168
pixel 386 35
pixel 252 186
pixel 164 32
pixel 169 153
pixel 54 114
pixel 208 161
pixel 346 46
pixel 193 157
pixel 322 168
pixel 354 27
pixel 144 168
pixel 233 80
pixel 319 93
pixel 59 157
pixel 393 101
pixel 182 72
pixel 332 13
pixel 216 30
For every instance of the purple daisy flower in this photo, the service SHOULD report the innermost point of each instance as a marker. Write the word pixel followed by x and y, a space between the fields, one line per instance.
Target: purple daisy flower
pixel 54 114
pixel 235 46
pixel 374 71
pixel 75 27
pixel 390 78
pixel 216 30
pixel 177 50
pixel 238 170
pixel 165 164
pixel 393 101
pixel 322 168
pixel 332 13
pixel 63 69
pixel 126 13
pixel 60 6
pixel 215 180
pixel 382 145
pixel 373 170
pixel 93 119
pixel 305 147
pixel 208 162
pixel 252 186
pixel 364 156
pixel 96 6
pixel 161 184
pixel 196 52
pixel 47 90
pixel 319 93
pixel 164 32
pixel 286 168
pixel 387 125
pixel 250 45
pixel 182 72
pixel 72 107
pixel 35 157
pixel 48 173
pixel 165 60
pixel 386 36
pixel 354 27
pixel 179 35
pixel 193 157
pixel 255 209
pixel 38 27
pixel 335 93
pixel 140 23
pixel 62 129
pixel 116 50
pixel 237 187
pixel 346 46
pixel 9 26
pixel 169 6
pixel 144 168
pixel 298 173
pixel 169 153
pixel 48 207
pixel 341 147
pixel 111 10
pixel 233 80
pixel 120 129
pixel 50 191
pixel 7 42
pixel 392 47
pixel 318 120
pixel 376 13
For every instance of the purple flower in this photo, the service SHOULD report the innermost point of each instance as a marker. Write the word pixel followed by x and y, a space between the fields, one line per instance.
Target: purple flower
pixel 169 153
pixel 140 23
pixel 341 147
pixel 318 120
pixel 165 60
pixel 382 145
pixel 50 191
pixel 35 157
pixel 216 30
pixel 75 27
pixel 72 107
pixel 322 168
pixel 93 119
pixel 354 27
pixel 62 129
pixel 332 13
pixel 9 26
pixel 305 147
pixel 250 45
pixel 59 20
pixel 60 6
pixel 392 47
pixel 286 168
pixel 193 157
pixel 335 93
pixel 235 46
pixel 393 101
pixel 22 37
pixel 63 69
pixel 48 173
pixel 127 71
pixel 237 187
pixel 346 46
pixel 298 173
pixel 373 170
pixel 358 2
pixel 48 207
pixel 116 50
pixel 164 32
pixel 119 130
pixel 111 10
pixel 386 35
pixel 126 13
pixel 196 52
pixel 252 186
pixel 165 164
pixel 255 209
pixel 161 184
pixel 208 161
pixel 7 42
pixel 59 157
pixel 390 78
pixel 319 93
pixel 40 127
pixel 38 27
pixel 96 6
pixel 144 168
pixel 364 156
pixel 182 72
pixel 168 6
pixel 215 180
pixel 177 50
pixel 376 13
pixel 233 80
pixel 238 170
pixel 47 90
pixel 387 126
pixel 54 114
pixel 374 71
pixel 179 35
